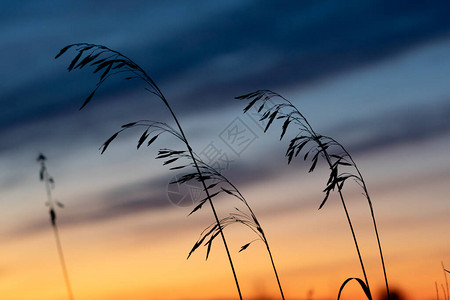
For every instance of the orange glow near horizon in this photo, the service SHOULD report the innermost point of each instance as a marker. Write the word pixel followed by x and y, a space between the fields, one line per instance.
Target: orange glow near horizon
pixel 143 256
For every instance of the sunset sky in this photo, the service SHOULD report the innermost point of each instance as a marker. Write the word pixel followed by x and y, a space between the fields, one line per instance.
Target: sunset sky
pixel 374 75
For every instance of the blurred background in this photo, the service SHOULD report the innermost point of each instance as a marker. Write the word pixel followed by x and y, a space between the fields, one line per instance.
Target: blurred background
pixel 372 74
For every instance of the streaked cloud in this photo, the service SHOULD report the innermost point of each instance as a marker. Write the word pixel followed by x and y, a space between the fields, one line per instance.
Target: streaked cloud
pixel 257 45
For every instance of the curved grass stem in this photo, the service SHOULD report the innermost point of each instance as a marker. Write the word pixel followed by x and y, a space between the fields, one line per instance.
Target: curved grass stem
pixel 194 160
pixel 110 63
pixel 324 150
pixel 349 221
pixel 264 239
pixel 274 269
pixel 279 111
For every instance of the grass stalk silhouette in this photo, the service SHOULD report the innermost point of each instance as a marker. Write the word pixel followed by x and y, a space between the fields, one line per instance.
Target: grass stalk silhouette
pixel 248 219
pixel 217 183
pixel 262 237
pixel 112 63
pixel 446 280
pixel 334 153
pixel 445 290
pixel 49 184
pixel 437 290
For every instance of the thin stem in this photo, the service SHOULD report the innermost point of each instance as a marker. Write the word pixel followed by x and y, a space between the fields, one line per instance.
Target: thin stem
pixel 372 215
pixel 379 249
pixel 273 266
pixel 160 95
pixel 346 214
pixel 263 236
pixel 443 291
pixel 129 65
pixel 56 232
pixel 306 127
pixel 310 129
pixel 446 281
pixel 63 263
pixel 437 290
pixel 354 238
pixel 206 190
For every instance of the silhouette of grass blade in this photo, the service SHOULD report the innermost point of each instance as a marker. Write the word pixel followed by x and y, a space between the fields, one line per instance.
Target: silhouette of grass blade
pixel 201 202
pixel 108 141
pixel 142 139
pixel 285 126
pixel 361 283
pixel 74 61
pixel 244 247
pixel 250 105
pixel 63 50
pixel 129 125
pixel 271 118
pixel 152 140
pixel 88 99
pixel 110 61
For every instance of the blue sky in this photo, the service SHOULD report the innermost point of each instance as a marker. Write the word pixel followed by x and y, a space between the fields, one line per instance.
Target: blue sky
pixel 205 54
pixel 372 74
pixel 235 47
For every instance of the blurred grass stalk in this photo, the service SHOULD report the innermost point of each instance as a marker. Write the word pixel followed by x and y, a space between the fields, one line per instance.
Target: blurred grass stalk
pixel 49 185
pixel 445 290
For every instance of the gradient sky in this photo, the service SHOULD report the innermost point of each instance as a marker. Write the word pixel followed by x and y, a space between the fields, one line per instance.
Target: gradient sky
pixel 372 74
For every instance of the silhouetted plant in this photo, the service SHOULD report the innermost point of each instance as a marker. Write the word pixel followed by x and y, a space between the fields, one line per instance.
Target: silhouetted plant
pixel 446 281
pixel 110 63
pixel 437 290
pixel 336 156
pixel 216 183
pixel 445 290
pixel 49 185
pixel 221 184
